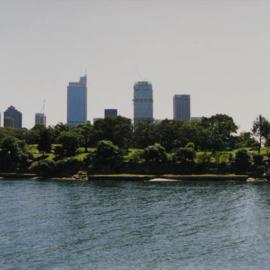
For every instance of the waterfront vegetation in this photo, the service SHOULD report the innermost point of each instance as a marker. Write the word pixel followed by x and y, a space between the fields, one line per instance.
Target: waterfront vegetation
pixel 209 146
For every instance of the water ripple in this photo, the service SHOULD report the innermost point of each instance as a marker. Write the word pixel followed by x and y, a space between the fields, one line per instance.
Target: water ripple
pixel 118 225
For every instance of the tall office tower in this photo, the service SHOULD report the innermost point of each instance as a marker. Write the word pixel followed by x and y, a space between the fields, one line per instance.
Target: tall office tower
pixel 143 101
pixel 77 102
pixel 110 113
pixel 40 119
pixel 12 118
pixel 181 107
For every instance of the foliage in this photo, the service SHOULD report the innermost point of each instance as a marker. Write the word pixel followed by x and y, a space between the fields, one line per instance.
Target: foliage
pixel 258 159
pixel 107 154
pixel 245 139
pixel 86 135
pixel 118 130
pixel 154 154
pixel 69 141
pixel 14 154
pixel 242 161
pixel 184 155
pixel 45 140
pixel 144 134
pixel 261 129
pixel 43 167
pixel 219 129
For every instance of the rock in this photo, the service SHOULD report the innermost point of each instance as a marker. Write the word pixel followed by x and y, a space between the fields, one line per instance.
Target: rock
pixel 162 180
pixel 256 180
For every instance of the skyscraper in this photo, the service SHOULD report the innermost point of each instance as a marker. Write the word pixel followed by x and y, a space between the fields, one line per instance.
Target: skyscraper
pixel 40 119
pixel 12 118
pixel 143 101
pixel 110 113
pixel 181 107
pixel 77 102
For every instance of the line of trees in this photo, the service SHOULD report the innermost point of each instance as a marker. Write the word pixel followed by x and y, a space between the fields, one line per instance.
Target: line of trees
pixel 168 143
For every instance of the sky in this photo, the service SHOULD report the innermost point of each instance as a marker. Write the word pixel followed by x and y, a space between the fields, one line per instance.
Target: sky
pixel 215 50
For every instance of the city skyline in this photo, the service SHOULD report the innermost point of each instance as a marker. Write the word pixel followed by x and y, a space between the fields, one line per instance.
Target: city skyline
pixel 217 51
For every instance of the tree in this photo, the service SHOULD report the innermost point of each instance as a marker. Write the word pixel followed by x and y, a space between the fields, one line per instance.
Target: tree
pixel 261 129
pixel 45 140
pixel 168 132
pixel 154 154
pixel 242 161
pixel 106 155
pixel 43 167
pixel 69 141
pixel 245 139
pixel 258 160
pixel 184 155
pixel 144 134
pixel 219 130
pixel 86 132
pixel 58 129
pixel 118 130
pixel 13 154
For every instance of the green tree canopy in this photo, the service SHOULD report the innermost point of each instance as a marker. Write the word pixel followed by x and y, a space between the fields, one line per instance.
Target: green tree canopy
pixel 242 161
pixel 184 155
pixel 107 154
pixel 261 129
pixel 13 154
pixel 154 154
pixel 118 130
pixel 69 141
pixel 219 130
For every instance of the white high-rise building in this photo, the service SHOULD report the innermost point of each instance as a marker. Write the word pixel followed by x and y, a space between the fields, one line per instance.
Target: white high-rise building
pixel 143 101
pixel 77 102
pixel 181 107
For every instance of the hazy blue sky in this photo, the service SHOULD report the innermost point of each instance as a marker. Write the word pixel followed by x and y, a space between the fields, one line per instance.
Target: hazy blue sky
pixel 217 51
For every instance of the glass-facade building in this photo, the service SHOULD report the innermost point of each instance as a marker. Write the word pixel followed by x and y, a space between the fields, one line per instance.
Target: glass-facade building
pixel 110 113
pixel 12 118
pixel 77 102
pixel 143 101
pixel 181 107
pixel 40 119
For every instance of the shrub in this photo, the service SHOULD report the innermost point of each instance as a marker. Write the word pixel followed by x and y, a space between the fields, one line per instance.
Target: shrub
pixel 44 167
pixel 69 166
pixel 154 154
pixel 14 154
pixel 242 161
pixel 107 155
pixel 70 142
pixel 184 155
pixel 258 160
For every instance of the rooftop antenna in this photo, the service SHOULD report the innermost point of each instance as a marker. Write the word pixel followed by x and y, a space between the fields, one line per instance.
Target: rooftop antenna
pixel 43 106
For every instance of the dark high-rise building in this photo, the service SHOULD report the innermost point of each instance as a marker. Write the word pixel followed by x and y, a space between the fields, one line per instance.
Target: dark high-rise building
pixel 40 119
pixel 181 107
pixel 143 101
pixel 77 102
pixel 110 113
pixel 12 118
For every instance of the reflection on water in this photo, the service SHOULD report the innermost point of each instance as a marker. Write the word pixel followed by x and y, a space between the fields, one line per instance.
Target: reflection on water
pixel 125 225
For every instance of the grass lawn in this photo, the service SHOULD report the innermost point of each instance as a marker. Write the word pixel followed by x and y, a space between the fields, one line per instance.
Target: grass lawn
pixel 201 156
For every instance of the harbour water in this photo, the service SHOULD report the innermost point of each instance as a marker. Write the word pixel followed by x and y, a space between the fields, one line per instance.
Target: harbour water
pixel 134 225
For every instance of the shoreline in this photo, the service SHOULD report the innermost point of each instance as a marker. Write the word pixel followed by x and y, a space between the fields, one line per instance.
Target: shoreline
pixel 129 177
pixel 137 177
